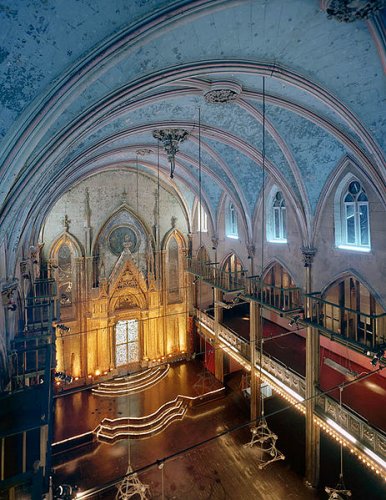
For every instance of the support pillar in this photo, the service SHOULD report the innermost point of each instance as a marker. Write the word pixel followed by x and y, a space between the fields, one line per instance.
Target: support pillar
pixel 312 381
pixel 218 352
pixel 255 335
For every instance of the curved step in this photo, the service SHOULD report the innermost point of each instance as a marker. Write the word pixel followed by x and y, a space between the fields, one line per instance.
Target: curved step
pixel 131 386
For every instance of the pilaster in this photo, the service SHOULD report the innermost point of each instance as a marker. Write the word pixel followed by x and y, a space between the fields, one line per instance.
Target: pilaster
pixel 312 380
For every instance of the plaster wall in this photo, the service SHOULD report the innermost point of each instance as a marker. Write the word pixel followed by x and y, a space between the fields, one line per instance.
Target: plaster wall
pixel 108 192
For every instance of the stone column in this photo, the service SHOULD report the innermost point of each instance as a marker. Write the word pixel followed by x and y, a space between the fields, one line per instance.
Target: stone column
pixel 312 380
pixel 218 317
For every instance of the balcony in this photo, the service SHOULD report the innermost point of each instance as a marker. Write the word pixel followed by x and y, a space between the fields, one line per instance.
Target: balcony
pixel 210 273
pixel 280 299
pixel 368 441
pixel 364 331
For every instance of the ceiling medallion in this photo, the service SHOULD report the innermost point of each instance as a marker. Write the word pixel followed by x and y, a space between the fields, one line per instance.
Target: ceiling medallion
pixel 222 92
pixel 143 152
pixel 171 138
pixel 351 10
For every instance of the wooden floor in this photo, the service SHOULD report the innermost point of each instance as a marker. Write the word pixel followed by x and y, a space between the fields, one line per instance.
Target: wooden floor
pixel 220 469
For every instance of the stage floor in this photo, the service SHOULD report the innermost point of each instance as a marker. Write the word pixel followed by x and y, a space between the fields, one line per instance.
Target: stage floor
pixel 220 468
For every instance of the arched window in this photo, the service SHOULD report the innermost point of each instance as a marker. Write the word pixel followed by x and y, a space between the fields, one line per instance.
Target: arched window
pixel 276 217
pixel 355 217
pixel 279 218
pixel 202 223
pixel 232 230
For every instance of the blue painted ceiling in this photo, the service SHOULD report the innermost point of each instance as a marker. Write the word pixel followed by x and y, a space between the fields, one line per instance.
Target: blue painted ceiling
pixel 84 83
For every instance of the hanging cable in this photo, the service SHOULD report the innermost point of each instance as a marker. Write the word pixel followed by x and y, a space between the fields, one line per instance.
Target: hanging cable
pixel 262 253
pixel 200 224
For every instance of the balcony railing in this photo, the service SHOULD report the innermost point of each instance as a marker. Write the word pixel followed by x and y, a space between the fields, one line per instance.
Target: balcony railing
pixel 362 434
pixel 278 298
pixel 211 274
pixel 365 330
pixel 30 358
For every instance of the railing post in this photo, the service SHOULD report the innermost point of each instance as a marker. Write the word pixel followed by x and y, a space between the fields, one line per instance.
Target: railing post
pixel 218 352
pixel 312 380
pixel 255 337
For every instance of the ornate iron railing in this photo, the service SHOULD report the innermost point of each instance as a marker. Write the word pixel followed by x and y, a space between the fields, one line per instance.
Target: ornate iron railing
pixel 279 298
pixel 365 330
pixel 364 435
pixel 211 274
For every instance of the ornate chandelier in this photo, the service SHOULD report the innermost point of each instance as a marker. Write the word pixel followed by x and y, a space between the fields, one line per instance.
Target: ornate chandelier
pixel 170 139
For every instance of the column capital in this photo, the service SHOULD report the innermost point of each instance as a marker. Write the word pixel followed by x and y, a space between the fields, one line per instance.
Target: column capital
pixel 214 242
pixel 251 250
pixel 308 255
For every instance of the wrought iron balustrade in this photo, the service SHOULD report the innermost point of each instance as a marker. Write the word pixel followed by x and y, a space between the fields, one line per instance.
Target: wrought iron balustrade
pixel 228 281
pixel 363 329
pixel 204 270
pixel 278 298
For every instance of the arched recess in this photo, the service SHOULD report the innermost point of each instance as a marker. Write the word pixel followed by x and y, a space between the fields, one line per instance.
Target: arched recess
pixel 127 284
pixel 174 250
pixel 279 288
pixel 223 217
pixel 277 274
pixel 64 262
pixel 350 309
pixel 203 255
pixel 232 263
pixel 123 225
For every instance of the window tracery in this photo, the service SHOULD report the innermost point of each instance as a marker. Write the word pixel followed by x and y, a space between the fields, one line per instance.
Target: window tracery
pixel 352 218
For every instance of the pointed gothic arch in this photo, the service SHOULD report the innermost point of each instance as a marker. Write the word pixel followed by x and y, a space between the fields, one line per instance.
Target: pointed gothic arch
pixel 174 249
pixel 351 310
pixel 64 256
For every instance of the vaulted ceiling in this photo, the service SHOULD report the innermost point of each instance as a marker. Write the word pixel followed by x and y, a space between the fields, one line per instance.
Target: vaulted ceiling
pixel 85 82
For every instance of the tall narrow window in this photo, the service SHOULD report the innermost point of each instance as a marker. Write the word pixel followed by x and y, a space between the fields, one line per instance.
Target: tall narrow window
pixel 355 218
pixel 279 219
pixel 65 275
pixel 202 220
pixel 232 230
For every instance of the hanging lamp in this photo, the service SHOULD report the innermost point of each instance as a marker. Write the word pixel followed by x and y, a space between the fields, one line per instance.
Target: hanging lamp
pixel 262 436
pixel 339 492
pixel 171 138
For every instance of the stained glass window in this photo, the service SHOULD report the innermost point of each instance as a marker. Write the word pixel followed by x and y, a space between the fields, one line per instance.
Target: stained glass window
pixel 126 342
